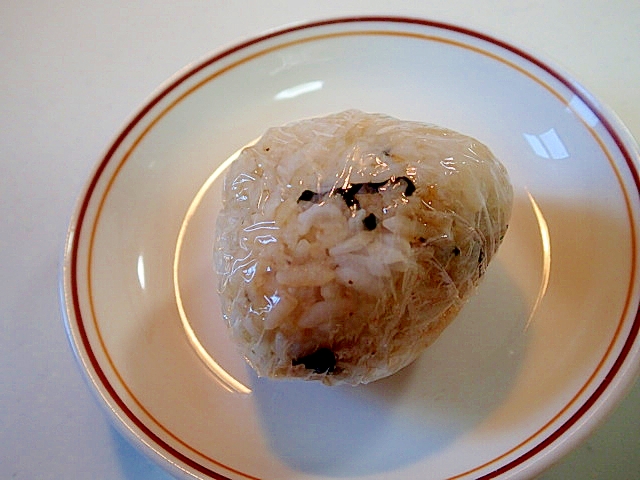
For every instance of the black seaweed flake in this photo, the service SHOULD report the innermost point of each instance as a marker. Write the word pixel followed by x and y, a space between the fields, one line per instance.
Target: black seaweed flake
pixel 322 360
pixel 408 191
pixel 306 196
pixel 310 196
pixel 370 222
pixel 349 194
pixel 374 187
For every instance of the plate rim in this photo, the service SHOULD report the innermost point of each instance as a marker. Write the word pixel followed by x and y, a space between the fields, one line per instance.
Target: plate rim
pixel 615 128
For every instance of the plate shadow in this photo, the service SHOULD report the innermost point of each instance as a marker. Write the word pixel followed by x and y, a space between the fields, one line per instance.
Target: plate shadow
pixel 392 423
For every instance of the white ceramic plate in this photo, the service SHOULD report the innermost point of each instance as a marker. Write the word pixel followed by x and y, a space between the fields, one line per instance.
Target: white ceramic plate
pixel 535 360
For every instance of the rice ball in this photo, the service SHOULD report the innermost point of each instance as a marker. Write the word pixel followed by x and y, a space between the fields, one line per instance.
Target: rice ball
pixel 347 243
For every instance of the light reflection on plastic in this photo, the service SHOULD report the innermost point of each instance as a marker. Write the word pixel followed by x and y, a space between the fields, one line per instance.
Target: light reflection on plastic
pixel 141 278
pixel 450 164
pixel 249 272
pixel 546 255
pixel 265 239
pixel 299 90
pixel 225 379
pixel 267 225
pixel 547 145
pixel 242 263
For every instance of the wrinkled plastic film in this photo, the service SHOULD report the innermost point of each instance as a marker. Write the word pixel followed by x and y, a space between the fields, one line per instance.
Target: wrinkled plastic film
pixel 346 244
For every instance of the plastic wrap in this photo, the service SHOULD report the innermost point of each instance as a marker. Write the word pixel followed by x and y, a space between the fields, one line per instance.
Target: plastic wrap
pixel 347 243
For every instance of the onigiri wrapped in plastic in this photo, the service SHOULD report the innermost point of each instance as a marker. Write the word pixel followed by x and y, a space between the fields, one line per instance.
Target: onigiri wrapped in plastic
pixel 347 243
